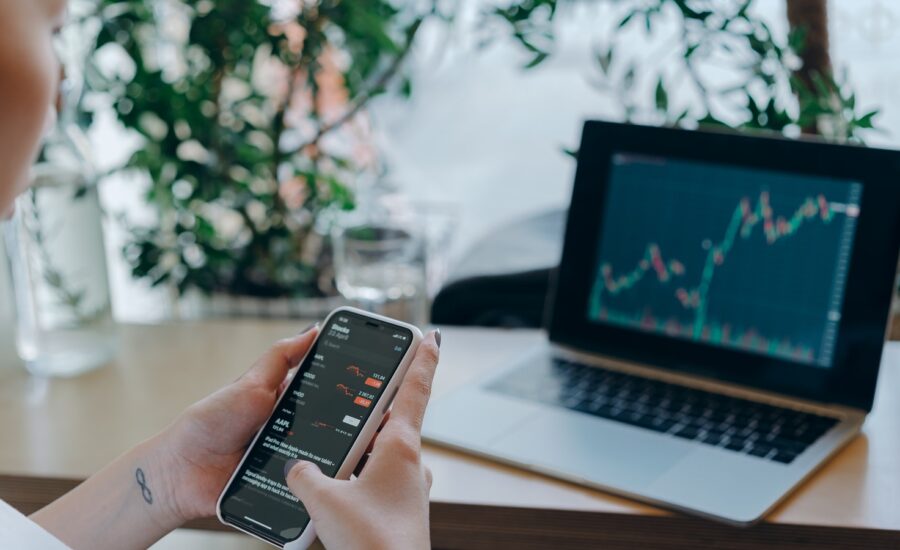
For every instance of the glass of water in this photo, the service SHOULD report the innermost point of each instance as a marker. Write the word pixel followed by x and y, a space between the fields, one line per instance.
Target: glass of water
pixel 58 263
pixel 381 265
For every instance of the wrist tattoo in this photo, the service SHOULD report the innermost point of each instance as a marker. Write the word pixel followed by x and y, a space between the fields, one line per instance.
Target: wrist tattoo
pixel 142 483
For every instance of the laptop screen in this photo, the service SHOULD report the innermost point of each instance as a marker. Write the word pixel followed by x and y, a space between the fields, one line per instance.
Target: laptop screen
pixel 767 263
pixel 736 257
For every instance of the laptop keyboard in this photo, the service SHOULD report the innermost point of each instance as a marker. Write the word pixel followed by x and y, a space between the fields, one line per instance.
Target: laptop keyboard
pixel 756 429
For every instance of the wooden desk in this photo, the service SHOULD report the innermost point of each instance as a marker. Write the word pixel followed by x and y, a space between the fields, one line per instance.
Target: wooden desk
pixel 55 433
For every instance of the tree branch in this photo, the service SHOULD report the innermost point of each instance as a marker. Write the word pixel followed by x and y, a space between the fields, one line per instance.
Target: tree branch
pixel 360 101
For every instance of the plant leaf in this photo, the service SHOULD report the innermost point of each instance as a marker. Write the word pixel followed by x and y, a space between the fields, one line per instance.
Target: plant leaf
pixel 661 96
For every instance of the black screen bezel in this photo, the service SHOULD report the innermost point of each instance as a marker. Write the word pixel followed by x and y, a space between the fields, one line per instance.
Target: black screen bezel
pixel 870 281
pixel 305 365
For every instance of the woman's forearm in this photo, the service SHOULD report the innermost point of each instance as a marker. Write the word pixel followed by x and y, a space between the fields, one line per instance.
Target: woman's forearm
pixel 127 504
pixel 177 475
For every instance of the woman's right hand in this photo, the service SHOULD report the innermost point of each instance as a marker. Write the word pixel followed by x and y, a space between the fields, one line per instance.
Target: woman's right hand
pixel 387 505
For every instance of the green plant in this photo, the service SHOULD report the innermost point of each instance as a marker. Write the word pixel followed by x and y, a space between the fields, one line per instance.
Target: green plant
pixel 251 113
pixel 250 118
pixel 770 88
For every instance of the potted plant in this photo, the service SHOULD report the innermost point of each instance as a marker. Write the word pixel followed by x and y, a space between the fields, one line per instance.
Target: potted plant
pixel 251 115
pixel 251 118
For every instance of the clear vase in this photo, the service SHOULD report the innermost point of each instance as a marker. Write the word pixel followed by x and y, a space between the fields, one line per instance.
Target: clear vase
pixel 58 263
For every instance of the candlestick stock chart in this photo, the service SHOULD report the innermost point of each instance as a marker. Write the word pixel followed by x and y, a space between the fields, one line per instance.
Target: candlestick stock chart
pixel 732 257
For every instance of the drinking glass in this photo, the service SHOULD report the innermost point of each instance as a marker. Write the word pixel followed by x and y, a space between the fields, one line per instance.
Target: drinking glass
pixel 381 265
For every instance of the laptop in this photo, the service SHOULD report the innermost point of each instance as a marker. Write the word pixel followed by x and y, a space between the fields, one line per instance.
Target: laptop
pixel 715 327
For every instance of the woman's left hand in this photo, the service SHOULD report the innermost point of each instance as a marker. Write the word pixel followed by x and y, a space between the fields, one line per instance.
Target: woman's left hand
pixel 207 441
pixel 178 474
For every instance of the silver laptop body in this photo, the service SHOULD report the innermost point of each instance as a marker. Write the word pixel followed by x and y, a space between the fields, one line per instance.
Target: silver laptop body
pixel 552 411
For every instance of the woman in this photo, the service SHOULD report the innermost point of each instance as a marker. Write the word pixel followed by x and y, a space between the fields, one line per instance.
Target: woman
pixel 186 466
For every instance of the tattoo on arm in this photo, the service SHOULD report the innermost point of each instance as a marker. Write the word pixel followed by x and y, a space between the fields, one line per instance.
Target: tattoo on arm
pixel 142 483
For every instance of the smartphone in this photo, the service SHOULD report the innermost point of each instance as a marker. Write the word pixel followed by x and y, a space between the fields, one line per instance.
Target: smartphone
pixel 328 414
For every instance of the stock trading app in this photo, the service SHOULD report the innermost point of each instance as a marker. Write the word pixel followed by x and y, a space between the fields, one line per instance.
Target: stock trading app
pixel 739 258
pixel 335 390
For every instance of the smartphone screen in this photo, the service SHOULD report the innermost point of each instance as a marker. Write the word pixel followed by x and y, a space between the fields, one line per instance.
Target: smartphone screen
pixel 337 387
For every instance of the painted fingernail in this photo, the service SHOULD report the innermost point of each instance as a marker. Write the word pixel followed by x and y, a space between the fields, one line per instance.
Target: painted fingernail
pixel 437 337
pixel 289 465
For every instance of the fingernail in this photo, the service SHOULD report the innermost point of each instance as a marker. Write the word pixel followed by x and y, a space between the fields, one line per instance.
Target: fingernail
pixel 437 337
pixel 310 327
pixel 289 465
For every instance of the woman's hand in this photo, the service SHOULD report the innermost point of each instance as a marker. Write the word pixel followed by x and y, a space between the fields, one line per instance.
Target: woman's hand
pixel 208 440
pixel 177 475
pixel 387 505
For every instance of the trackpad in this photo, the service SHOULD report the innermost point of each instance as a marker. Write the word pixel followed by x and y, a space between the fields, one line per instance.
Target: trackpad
pixel 599 451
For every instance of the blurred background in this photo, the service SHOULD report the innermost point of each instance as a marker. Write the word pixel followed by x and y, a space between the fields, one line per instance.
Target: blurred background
pixel 228 142
pixel 275 158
